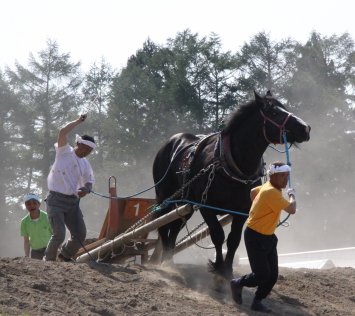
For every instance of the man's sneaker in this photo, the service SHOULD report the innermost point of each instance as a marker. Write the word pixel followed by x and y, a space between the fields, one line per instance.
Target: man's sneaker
pixel 237 288
pixel 259 307
pixel 65 259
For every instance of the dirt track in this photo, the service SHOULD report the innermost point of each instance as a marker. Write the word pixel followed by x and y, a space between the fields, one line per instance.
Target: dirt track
pixel 30 287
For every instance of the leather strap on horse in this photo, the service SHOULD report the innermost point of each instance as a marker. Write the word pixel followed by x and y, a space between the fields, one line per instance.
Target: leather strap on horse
pixel 189 155
pixel 187 160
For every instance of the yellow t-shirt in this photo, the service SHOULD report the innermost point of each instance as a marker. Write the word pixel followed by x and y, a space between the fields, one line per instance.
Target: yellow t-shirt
pixel 265 211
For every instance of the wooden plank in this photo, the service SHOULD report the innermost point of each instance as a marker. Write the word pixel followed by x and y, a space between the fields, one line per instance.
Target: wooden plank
pixel 91 246
pixel 136 233
pixel 201 234
pixel 103 231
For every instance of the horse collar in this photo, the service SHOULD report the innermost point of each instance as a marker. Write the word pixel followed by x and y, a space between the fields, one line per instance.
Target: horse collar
pixel 230 167
pixel 226 154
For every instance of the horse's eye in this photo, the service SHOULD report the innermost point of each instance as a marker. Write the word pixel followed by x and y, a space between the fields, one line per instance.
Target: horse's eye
pixel 269 104
pixel 270 107
pixel 271 111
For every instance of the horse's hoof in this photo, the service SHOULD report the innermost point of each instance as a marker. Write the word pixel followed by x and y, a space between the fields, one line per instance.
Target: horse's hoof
pixel 215 267
pixel 220 284
pixel 211 266
pixel 168 263
pixel 228 274
pixel 221 270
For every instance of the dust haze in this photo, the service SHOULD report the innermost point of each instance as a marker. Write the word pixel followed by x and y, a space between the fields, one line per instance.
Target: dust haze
pixel 322 174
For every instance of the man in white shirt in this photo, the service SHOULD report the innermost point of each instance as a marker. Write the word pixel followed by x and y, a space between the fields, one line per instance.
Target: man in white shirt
pixel 70 178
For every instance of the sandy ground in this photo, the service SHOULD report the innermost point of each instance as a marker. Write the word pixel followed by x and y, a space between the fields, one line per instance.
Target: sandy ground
pixel 32 287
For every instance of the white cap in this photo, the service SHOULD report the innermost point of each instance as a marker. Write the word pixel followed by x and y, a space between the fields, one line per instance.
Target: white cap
pixel 32 196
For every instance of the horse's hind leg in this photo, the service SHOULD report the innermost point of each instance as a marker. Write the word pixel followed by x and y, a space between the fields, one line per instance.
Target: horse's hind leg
pixel 172 233
pixel 167 236
pixel 158 254
pixel 159 250
pixel 233 242
pixel 174 230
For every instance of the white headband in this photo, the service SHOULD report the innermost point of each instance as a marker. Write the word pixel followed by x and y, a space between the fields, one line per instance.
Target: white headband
pixel 79 139
pixel 277 169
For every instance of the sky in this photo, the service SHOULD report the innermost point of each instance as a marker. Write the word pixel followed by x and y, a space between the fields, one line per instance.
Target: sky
pixel 116 29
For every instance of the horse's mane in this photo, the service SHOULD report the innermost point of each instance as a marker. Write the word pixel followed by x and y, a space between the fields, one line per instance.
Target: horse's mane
pixel 239 115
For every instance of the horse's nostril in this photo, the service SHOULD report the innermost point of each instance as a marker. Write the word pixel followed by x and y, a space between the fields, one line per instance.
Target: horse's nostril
pixel 308 129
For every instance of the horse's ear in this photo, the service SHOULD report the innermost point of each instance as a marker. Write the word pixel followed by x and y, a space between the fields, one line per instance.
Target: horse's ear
pixel 258 98
pixel 268 93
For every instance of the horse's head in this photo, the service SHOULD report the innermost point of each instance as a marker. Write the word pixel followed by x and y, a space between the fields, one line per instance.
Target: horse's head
pixel 277 119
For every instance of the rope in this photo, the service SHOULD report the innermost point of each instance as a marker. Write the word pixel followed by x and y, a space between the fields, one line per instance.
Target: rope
pixel 205 206
pixel 189 234
pixel 133 195
pixel 284 222
pixel 145 190
pixel 279 150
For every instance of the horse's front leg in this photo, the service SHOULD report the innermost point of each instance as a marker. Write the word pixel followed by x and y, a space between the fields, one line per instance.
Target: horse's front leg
pixel 217 237
pixel 233 242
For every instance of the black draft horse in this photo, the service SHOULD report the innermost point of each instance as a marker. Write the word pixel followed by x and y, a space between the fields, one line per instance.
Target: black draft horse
pixel 232 160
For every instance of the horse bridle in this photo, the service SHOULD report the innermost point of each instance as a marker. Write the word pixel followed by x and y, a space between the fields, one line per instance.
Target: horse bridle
pixel 281 127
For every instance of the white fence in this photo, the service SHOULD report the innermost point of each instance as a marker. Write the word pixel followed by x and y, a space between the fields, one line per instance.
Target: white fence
pixel 318 259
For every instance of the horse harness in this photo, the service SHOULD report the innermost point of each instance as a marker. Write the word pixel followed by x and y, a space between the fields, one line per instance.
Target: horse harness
pixel 281 127
pixel 186 162
pixel 223 161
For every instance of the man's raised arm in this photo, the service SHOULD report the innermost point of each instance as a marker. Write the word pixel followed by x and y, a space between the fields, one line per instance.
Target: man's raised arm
pixel 62 136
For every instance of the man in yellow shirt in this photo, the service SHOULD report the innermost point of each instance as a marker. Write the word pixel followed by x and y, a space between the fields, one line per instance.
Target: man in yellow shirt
pixel 259 237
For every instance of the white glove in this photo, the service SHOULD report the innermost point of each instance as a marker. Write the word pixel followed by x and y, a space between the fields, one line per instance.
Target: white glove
pixel 84 190
pixel 291 191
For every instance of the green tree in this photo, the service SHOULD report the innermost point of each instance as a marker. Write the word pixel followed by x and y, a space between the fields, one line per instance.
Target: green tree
pixel 48 91
pixel 189 74
pixel 221 82
pixel 208 76
pixel 186 85
pixel 321 89
pixel 11 121
pixel 97 91
pixel 324 80
pixel 139 111
pixel 266 64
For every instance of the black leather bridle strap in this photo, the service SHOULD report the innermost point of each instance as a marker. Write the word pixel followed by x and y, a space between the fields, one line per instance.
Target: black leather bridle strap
pixel 281 127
